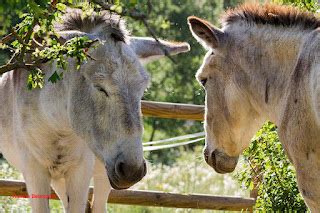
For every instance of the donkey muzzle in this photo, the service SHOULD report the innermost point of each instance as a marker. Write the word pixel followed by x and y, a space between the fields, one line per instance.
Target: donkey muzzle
pixel 126 174
pixel 220 162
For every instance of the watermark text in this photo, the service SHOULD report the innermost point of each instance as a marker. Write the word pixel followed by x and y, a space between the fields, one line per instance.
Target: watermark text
pixel 34 196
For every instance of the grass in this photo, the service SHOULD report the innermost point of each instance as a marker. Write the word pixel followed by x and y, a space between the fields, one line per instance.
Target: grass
pixel 189 174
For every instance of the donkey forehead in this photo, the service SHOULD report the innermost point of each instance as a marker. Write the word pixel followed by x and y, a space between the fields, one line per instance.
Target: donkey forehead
pixel 118 62
pixel 109 50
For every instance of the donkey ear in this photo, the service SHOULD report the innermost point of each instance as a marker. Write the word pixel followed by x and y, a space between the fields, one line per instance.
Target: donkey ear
pixel 204 32
pixel 69 34
pixel 148 49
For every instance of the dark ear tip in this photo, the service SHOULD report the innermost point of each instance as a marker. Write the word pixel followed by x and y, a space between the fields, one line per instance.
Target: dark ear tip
pixel 193 19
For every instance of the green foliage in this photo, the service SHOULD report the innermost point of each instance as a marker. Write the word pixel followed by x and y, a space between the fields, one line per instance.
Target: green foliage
pixel 73 48
pixel 35 79
pixel 309 5
pixel 10 11
pixel 31 55
pixel 36 19
pixel 268 168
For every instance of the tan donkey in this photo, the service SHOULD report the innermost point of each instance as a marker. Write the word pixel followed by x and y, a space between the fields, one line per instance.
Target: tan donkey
pixel 263 64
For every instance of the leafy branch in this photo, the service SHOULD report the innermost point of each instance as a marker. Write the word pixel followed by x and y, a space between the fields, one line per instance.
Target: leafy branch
pixel 29 53
pixel 268 171
pixel 22 36
pixel 116 8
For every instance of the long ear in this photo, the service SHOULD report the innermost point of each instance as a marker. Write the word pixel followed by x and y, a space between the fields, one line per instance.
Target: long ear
pixel 148 49
pixel 63 36
pixel 204 32
pixel 69 34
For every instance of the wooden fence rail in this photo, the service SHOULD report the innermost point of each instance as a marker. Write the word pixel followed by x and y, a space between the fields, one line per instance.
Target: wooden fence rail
pixel 172 110
pixel 149 198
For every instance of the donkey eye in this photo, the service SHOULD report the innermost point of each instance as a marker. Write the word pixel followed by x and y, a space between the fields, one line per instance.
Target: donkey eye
pixel 203 82
pixel 100 89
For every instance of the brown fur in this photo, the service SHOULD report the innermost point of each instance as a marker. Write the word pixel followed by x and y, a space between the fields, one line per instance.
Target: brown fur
pixel 272 14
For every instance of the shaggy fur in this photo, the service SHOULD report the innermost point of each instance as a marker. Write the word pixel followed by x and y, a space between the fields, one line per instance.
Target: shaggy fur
pixel 102 23
pixel 272 14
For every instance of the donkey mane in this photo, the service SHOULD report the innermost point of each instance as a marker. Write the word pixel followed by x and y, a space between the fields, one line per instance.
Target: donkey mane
pixel 271 14
pixel 105 22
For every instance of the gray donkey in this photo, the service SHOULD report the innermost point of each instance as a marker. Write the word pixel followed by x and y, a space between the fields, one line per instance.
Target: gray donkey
pixel 263 64
pixel 53 135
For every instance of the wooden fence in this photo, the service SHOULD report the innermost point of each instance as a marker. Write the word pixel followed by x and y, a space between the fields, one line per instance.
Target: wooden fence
pixel 148 198
pixel 152 198
pixel 172 110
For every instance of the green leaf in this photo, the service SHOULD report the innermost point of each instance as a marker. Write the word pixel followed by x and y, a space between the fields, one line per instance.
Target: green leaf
pixel 61 7
pixel 35 8
pixel 35 79
pixel 55 77
pixel 132 3
pixel 116 8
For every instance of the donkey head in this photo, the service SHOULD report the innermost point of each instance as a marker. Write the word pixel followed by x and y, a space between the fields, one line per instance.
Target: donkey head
pixel 230 119
pixel 104 106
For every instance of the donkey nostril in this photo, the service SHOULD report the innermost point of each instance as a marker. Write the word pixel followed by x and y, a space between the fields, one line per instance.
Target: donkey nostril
pixel 213 159
pixel 144 169
pixel 121 169
pixel 128 173
pixel 206 158
pixel 206 155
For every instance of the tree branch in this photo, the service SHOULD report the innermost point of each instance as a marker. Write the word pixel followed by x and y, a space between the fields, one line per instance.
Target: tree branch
pixel 27 39
pixel 15 35
pixel 137 16
pixel 17 61
pixel 165 51
pixel 7 38
pixel 131 13
pixel 37 62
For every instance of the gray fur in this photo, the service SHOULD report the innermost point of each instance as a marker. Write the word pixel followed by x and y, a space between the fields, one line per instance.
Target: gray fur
pixel 88 124
pixel 105 24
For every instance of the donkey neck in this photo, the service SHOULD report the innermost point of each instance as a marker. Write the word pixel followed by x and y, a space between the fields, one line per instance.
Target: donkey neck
pixel 55 97
pixel 270 56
